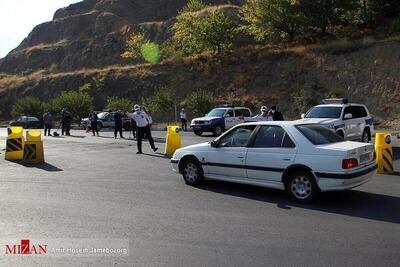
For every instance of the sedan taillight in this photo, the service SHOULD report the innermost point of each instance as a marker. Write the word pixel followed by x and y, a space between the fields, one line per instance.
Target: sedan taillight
pixel 349 163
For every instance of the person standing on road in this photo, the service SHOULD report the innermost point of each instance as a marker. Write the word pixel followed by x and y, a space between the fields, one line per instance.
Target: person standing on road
pixel 133 125
pixel 118 124
pixel 66 119
pixel 183 116
pixel 142 123
pixel 48 123
pixel 265 115
pixel 93 122
pixel 276 115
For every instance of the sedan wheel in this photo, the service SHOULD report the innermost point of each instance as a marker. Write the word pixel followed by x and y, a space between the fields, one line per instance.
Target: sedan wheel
pixel 302 187
pixel 192 172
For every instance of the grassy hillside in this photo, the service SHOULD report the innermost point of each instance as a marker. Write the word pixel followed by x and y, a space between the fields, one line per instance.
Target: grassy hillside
pixel 365 71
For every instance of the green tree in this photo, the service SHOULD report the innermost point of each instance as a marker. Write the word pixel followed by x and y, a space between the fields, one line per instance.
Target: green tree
pixel 193 6
pixel 200 102
pixel 134 45
pixel 28 106
pixel 267 18
pixel 321 14
pixel 118 103
pixel 161 101
pixel 212 32
pixel 77 102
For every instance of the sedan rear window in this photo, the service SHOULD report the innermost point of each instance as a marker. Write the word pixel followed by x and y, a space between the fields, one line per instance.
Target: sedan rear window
pixel 319 135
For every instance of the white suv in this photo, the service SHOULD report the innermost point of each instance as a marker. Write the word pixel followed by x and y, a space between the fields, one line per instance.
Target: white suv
pixel 351 121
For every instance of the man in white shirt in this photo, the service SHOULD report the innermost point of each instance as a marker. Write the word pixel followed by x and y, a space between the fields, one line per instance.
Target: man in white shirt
pixel 265 115
pixel 142 123
pixel 183 116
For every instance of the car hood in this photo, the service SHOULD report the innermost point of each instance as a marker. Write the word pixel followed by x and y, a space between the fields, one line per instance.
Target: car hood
pixel 318 120
pixel 190 149
pixel 206 118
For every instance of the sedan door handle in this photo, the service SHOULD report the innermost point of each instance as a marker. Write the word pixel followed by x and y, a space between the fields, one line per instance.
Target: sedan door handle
pixel 287 159
pixel 240 157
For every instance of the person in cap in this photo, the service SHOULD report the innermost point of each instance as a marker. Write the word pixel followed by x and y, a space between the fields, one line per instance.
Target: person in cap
pixel 265 115
pixel 66 119
pixel 183 116
pixel 276 115
pixel 142 123
pixel 118 124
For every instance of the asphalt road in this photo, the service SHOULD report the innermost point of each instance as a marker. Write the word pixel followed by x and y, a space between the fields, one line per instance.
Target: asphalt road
pixel 98 188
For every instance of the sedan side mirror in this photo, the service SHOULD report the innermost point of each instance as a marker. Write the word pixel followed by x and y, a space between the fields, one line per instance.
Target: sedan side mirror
pixel 214 143
pixel 227 116
pixel 348 116
pixel 303 115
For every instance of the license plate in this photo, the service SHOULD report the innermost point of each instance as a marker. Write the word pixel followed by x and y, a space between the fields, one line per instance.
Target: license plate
pixel 365 157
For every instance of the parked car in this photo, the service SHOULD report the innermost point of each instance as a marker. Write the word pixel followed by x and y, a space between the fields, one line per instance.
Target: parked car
pixel 106 120
pixel 349 120
pixel 27 122
pixel 303 159
pixel 220 119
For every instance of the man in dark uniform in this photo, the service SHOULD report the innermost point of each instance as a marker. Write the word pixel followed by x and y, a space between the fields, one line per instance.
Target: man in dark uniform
pixel 276 115
pixel 93 122
pixel 118 124
pixel 66 119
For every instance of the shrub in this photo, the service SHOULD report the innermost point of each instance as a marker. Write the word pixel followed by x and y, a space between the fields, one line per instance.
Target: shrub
pixel 28 106
pixel 200 102
pixel 160 101
pixel 77 102
pixel 117 103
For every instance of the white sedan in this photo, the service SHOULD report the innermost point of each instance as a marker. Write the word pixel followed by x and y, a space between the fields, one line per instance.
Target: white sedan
pixel 303 159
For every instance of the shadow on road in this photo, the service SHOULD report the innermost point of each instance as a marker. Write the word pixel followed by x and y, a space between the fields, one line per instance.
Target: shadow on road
pixel 350 203
pixel 158 155
pixel 45 166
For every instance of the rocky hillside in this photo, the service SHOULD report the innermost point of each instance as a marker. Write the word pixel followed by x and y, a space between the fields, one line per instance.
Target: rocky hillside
pixel 91 34
pixel 365 71
pixel 80 49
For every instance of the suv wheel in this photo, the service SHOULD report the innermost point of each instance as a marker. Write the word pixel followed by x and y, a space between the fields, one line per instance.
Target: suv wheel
pixel 218 130
pixel 341 133
pixel 192 172
pixel 366 136
pixel 302 187
pixel 197 132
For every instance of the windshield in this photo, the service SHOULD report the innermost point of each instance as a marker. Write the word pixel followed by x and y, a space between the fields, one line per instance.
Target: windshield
pixel 324 112
pixel 101 115
pixel 319 135
pixel 216 112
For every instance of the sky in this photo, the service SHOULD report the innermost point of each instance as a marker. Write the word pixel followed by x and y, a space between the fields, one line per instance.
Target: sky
pixel 19 17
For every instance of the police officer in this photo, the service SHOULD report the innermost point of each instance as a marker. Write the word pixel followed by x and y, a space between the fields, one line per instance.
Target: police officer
pixel 66 119
pixel 183 116
pixel 265 115
pixel 118 124
pixel 133 125
pixel 142 123
pixel 93 122
pixel 276 115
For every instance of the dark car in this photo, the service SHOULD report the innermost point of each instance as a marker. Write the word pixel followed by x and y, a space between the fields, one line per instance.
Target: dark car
pixel 106 120
pixel 27 122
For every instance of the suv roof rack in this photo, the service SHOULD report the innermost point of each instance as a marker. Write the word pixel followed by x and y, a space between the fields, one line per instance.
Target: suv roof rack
pixel 335 101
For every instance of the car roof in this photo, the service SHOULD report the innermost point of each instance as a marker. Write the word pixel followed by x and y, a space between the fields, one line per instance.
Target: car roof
pixel 279 123
pixel 231 108
pixel 339 105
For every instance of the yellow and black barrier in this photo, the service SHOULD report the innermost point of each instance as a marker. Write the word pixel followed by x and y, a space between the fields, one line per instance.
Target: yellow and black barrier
pixel 173 140
pixel 33 149
pixel 15 143
pixel 384 153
